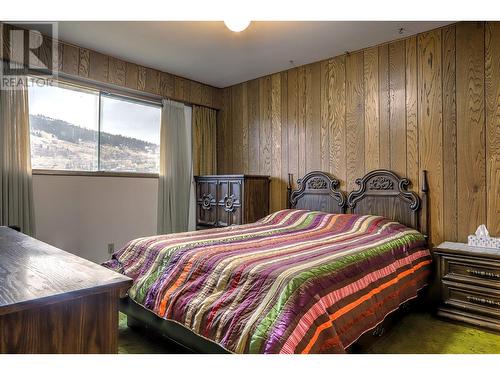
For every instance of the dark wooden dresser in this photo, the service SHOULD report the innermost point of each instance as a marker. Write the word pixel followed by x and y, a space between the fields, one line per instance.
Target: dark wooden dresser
pixel 223 200
pixel 469 279
pixel 52 301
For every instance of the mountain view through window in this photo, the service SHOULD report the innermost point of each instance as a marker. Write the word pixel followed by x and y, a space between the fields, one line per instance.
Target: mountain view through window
pixel 69 133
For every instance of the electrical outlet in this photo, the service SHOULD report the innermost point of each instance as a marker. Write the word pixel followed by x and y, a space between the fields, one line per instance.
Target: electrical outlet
pixel 111 248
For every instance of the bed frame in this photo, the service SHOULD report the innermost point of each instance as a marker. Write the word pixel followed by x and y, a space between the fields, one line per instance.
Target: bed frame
pixel 381 192
pixel 317 191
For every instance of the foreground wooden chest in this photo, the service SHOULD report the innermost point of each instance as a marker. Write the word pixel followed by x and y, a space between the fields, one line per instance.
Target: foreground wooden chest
pixel 52 301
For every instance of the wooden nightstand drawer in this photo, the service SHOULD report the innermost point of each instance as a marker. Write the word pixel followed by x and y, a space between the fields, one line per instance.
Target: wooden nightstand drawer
pixel 472 298
pixel 475 271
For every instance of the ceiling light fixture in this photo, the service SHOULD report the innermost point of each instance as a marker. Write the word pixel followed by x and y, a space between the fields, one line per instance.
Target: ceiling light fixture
pixel 237 24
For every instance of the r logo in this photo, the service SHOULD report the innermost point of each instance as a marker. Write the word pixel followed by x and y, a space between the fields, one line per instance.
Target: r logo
pixel 29 48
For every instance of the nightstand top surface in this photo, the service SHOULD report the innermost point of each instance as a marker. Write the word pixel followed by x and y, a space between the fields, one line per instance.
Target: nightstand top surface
pixel 464 249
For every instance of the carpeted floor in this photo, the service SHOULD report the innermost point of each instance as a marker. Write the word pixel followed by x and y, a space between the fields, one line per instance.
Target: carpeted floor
pixel 415 333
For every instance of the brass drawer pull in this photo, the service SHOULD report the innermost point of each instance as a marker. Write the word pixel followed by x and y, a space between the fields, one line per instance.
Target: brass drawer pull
pixel 491 275
pixel 483 301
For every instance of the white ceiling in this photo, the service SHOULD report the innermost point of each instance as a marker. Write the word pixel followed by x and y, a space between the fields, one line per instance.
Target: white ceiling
pixel 208 52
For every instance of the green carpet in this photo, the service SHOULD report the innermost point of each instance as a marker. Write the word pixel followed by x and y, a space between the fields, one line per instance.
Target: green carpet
pixel 415 333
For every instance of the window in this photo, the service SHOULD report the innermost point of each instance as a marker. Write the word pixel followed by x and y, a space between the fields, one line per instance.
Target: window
pixel 130 136
pixel 64 126
pixel 86 130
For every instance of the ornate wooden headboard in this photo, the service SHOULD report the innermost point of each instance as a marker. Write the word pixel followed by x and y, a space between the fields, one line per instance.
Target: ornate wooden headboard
pixel 317 191
pixel 382 192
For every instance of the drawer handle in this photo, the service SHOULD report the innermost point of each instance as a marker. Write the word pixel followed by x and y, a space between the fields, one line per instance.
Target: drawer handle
pixel 206 201
pixel 486 274
pixel 483 301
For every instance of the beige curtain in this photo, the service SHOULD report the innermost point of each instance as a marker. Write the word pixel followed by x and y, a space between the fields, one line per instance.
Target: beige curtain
pixel 204 141
pixel 175 169
pixel 16 192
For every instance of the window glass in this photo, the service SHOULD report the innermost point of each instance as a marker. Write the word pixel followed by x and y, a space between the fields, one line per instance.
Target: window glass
pixel 84 130
pixel 64 126
pixel 130 135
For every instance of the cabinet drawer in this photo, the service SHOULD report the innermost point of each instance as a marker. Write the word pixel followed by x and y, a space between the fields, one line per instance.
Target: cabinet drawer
pixel 476 271
pixel 472 298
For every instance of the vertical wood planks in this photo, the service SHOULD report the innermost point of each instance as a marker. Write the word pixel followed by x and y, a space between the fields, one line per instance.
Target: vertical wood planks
pixel 71 56
pixel 430 101
pixel 236 125
pixel 384 107
pixel 355 134
pixel 430 124
pixel 152 83
pixel 167 85
pixel 131 76
pixel 209 96
pixel 384 137
pixel 412 155
pixel 195 92
pixel 284 139
pixel 224 138
pixel 372 125
pixel 492 80
pixel 449 136
pixel 313 114
pixel 117 70
pixel 101 68
pixel 265 87
pixel 141 78
pixel 98 66
pixel 324 136
pixel 471 177
pixel 397 106
pixel 244 127
pixel 83 63
pixel 293 127
pixel 301 118
pixel 276 186
pixel 336 119
pixel 253 126
pixel 181 89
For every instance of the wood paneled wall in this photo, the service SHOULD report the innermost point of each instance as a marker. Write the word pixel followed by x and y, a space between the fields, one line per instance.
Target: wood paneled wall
pixel 81 62
pixel 431 101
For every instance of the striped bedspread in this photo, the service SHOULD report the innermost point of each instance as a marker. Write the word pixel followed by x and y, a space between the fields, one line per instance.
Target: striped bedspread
pixel 296 281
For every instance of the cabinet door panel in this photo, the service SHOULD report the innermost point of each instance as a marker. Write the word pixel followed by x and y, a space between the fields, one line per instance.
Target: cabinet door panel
pixel 206 202
pixel 229 194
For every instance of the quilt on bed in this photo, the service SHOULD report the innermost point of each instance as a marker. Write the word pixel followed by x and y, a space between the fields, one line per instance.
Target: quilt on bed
pixel 296 281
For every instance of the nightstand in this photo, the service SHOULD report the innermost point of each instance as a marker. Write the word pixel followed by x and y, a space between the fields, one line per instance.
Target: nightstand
pixel 469 284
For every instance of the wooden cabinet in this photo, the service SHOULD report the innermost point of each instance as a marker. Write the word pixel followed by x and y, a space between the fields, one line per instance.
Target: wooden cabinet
pixel 223 200
pixel 55 302
pixel 469 284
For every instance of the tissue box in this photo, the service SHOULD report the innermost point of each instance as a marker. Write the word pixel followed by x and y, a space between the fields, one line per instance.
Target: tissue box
pixel 489 242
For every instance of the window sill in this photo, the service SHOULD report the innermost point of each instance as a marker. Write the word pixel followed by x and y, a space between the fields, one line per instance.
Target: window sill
pixel 51 172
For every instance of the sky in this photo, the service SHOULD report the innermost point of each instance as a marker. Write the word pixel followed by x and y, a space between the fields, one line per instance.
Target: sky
pixel 81 108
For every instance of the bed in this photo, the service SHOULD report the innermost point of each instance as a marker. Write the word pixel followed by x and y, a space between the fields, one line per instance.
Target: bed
pixel 308 279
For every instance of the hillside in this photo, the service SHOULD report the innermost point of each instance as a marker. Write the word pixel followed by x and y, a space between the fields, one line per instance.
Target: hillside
pixel 72 133
pixel 57 144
